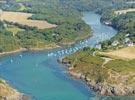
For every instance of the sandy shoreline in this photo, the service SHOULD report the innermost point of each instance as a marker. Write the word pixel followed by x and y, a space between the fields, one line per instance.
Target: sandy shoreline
pixel 41 49
pixel 11 52
pixel 29 49
pixel 10 93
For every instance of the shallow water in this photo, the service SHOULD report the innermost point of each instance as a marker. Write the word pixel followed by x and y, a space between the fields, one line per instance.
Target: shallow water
pixel 39 75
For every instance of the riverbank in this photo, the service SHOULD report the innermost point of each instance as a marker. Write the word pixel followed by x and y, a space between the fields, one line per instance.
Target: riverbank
pixel 29 49
pixel 8 93
pixel 77 40
pixel 106 78
pixel 15 51
pixel 48 47
pixel 103 89
pixel 125 28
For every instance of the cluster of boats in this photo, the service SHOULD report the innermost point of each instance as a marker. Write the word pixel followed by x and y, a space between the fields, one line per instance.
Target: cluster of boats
pixel 69 50
pixel 11 60
pixel 64 51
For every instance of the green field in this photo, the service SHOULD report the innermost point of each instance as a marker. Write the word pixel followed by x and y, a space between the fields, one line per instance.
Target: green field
pixel 14 29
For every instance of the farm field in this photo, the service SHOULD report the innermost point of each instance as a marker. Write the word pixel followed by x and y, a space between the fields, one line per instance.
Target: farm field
pixel 131 2
pixel 22 18
pixel 2 1
pixel 125 53
pixel 124 11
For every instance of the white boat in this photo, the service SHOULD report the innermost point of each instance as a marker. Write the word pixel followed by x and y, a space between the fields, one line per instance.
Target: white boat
pixel 59 53
pixel 66 51
pixel 70 50
pixel 20 56
pixel 76 48
pixel 50 54
pixel 86 41
pixel 62 51
pixel 11 60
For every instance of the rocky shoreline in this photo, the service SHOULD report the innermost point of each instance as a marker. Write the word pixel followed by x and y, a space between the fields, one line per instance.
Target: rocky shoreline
pixel 102 88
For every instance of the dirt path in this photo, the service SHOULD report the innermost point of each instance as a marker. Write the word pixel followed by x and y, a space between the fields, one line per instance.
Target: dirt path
pixel 106 61
pixel 124 11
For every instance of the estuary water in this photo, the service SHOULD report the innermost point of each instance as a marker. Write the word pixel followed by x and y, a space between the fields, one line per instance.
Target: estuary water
pixel 39 75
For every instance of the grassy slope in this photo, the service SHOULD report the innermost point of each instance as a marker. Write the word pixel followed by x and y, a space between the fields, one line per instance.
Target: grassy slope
pixel 116 71
pixel 124 53
pixel 14 29
pixel 87 64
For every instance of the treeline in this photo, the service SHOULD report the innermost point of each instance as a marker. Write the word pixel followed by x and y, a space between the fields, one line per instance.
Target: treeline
pixel 7 41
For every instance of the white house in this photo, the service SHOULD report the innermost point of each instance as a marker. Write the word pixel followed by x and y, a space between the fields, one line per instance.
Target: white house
pixel 115 43
pixel 98 46
pixel 128 42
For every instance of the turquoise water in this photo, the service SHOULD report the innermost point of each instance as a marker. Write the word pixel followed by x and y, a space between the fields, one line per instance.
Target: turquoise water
pixel 39 75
